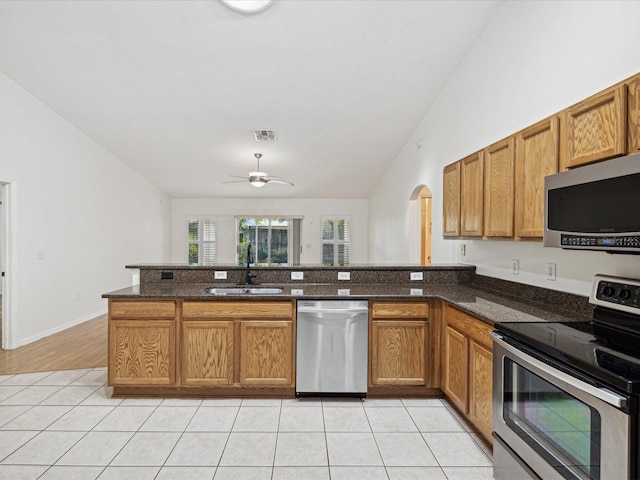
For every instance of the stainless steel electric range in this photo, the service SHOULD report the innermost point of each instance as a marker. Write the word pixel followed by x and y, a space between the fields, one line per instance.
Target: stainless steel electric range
pixel 567 394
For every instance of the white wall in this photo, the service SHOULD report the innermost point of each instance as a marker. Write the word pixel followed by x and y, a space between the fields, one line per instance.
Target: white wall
pixel 534 59
pixel 225 210
pixel 86 210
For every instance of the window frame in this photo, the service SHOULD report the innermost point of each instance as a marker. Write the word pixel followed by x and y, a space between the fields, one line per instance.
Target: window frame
pixel 335 241
pixel 200 242
pixel 293 234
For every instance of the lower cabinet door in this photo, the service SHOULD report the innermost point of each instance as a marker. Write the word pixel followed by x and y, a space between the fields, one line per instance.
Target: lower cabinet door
pixel 456 361
pixel 207 352
pixel 266 353
pixel 480 388
pixel 398 352
pixel 142 352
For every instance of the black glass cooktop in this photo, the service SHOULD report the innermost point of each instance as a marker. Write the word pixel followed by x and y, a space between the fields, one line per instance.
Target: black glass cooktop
pixel 584 346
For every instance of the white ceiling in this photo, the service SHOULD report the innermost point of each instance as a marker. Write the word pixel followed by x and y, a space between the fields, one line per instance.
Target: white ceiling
pixel 176 88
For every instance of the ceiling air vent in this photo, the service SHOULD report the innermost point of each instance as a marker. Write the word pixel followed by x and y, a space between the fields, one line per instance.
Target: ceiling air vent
pixel 265 136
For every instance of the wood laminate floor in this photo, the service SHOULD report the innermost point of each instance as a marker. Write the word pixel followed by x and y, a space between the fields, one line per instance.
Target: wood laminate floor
pixel 82 346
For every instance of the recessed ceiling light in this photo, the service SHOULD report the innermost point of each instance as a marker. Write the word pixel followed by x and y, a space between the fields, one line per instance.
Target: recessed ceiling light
pixel 247 6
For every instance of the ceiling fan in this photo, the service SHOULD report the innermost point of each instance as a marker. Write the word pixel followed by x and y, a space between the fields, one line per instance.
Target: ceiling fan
pixel 259 179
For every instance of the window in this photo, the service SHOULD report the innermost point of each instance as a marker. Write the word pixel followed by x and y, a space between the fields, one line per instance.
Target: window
pixel 201 241
pixel 336 235
pixel 274 241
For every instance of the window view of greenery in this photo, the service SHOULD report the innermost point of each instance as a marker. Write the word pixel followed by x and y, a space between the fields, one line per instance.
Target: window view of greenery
pixel 202 241
pixel 269 239
pixel 335 241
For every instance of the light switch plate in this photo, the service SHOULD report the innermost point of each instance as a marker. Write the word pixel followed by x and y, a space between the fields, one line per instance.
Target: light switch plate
pixel 297 275
pixel 344 275
pixel 220 275
pixel 416 276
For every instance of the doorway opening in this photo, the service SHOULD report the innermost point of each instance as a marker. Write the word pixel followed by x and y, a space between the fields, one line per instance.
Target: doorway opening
pixel 7 205
pixel 422 195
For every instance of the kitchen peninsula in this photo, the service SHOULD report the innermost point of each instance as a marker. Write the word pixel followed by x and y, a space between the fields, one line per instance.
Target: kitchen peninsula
pixel 428 330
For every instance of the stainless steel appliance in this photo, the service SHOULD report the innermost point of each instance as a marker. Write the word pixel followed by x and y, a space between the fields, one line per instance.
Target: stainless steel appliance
pixel 566 394
pixel 331 347
pixel 595 207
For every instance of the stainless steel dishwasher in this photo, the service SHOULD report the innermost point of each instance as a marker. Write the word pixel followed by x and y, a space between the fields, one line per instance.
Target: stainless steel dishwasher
pixel 331 347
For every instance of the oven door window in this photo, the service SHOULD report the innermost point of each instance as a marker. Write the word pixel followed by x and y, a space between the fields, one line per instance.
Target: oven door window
pixel 562 429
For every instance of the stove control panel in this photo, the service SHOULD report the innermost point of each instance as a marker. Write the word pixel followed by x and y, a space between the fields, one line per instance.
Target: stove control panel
pixel 617 293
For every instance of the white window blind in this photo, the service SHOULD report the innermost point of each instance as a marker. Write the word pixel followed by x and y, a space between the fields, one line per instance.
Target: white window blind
pixel 201 241
pixel 336 238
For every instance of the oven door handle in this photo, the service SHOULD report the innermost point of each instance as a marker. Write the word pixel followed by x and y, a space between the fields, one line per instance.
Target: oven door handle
pixel 602 393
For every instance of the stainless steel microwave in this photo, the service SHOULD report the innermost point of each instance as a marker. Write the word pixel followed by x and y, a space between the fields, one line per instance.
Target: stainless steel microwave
pixel 595 207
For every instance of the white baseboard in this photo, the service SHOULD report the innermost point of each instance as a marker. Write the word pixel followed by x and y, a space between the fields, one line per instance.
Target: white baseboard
pixel 58 329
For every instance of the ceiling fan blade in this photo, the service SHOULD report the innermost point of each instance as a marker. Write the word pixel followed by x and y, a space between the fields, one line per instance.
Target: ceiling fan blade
pixel 238 176
pixel 238 181
pixel 279 181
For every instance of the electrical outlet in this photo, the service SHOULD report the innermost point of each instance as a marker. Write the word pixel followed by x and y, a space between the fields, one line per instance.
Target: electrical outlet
pixel 297 275
pixel 416 292
pixel 344 292
pixel 40 254
pixel 551 271
pixel 297 291
pixel 416 276
pixel 515 266
pixel 463 249
pixel 220 275
pixel 344 275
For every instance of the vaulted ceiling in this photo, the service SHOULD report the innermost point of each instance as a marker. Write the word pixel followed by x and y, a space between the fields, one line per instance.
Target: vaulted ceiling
pixel 175 89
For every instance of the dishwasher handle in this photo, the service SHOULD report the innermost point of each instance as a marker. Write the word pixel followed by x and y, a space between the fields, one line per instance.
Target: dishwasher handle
pixel 313 310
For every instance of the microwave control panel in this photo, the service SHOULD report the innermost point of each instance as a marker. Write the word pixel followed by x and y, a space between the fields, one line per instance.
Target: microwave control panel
pixel 631 241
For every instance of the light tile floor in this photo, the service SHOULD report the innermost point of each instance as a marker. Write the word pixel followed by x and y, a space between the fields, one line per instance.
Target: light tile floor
pixel 63 425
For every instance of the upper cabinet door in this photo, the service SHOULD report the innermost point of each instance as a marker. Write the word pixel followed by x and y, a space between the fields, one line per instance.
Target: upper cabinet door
pixel 633 118
pixel 471 195
pixel 536 157
pixel 595 129
pixel 498 189
pixel 451 200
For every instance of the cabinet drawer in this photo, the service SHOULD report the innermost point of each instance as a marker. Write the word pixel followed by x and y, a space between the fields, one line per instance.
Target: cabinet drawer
pixel 150 309
pixel 400 310
pixel 249 309
pixel 470 326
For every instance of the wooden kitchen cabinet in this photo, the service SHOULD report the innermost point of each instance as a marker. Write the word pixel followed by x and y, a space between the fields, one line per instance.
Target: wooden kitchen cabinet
pixel 398 344
pixel 208 352
pixel 467 379
pixel 633 114
pixel 238 344
pixel 481 387
pixel 267 353
pixel 471 195
pixel 498 188
pixel 142 343
pixel 451 200
pixel 456 367
pixel 594 129
pixel 536 157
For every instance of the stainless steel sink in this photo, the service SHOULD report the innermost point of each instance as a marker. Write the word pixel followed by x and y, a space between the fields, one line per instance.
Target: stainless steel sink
pixel 243 291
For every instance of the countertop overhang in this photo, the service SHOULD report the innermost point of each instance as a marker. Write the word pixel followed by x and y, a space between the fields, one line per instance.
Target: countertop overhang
pixel 489 307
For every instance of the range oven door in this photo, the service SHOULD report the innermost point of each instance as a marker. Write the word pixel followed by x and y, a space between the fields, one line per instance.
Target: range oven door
pixel 558 425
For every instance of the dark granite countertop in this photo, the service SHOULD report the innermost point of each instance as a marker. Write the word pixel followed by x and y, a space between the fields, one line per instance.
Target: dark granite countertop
pixel 489 307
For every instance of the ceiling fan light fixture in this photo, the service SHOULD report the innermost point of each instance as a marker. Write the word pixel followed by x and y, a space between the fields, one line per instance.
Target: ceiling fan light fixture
pixel 257 179
pixel 247 6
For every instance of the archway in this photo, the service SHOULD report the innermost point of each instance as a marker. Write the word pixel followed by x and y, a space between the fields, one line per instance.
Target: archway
pixel 422 195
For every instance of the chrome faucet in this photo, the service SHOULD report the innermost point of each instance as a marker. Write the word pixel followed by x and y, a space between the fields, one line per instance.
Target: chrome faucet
pixel 248 278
